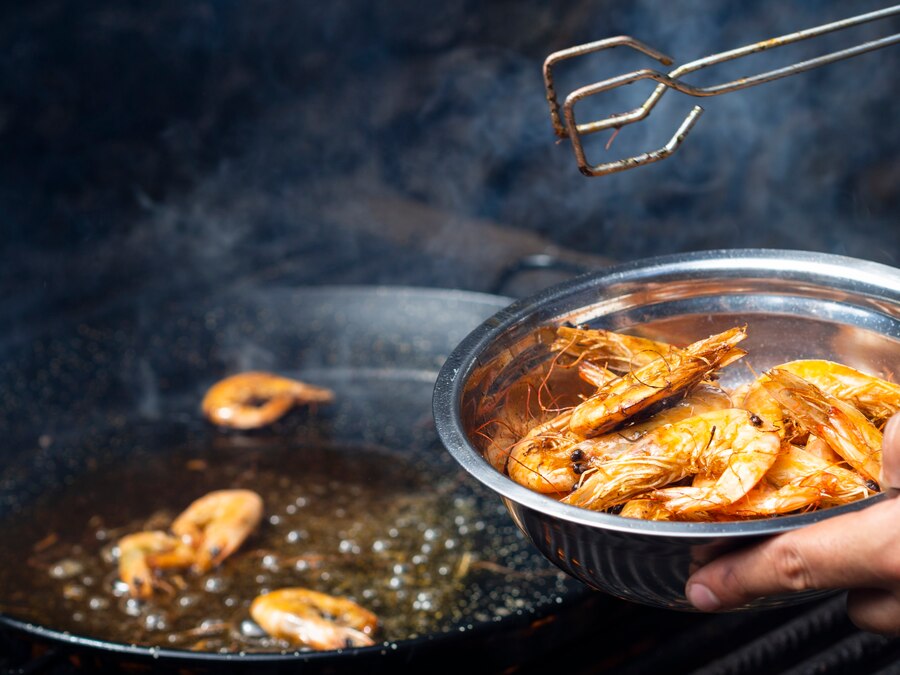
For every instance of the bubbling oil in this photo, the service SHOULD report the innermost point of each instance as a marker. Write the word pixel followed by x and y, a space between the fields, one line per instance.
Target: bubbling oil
pixel 413 542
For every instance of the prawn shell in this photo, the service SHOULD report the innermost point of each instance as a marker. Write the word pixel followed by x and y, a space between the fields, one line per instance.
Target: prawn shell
pixel 664 377
pixel 725 443
pixel 217 524
pixel 849 433
pixel 305 617
pixel 254 399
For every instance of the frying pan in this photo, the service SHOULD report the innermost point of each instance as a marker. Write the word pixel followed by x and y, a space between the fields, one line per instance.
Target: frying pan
pixel 121 386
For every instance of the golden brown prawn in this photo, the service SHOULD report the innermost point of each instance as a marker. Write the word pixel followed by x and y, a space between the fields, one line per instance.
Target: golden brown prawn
pixel 761 500
pixel 765 500
pixel 836 484
pixel 216 524
pixel 877 399
pixel 728 444
pixel 607 349
pixel 141 553
pixel 551 459
pixel 254 399
pixel 839 424
pixel 662 378
pixel 757 399
pixel 545 461
pixel 321 621
pixel 702 398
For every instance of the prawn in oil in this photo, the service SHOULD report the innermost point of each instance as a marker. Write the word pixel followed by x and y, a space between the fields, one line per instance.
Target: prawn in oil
pixel 255 399
pixel 143 554
pixel 216 524
pixel 206 533
pixel 318 620
pixel 804 435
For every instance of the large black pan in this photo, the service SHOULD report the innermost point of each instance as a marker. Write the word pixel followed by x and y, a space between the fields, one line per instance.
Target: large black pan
pixel 124 387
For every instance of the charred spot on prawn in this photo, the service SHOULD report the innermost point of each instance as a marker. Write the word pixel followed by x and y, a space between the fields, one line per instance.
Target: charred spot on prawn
pixel 712 435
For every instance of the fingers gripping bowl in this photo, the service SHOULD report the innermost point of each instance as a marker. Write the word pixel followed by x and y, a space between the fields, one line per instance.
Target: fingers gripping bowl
pixel 795 305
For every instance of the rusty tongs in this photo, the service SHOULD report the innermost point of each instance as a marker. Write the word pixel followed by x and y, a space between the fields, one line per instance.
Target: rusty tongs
pixel 672 80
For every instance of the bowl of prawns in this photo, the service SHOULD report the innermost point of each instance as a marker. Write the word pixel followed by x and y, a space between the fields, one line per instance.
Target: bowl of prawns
pixel 642 420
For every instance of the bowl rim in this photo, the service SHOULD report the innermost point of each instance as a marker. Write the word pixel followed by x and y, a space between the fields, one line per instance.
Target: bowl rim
pixel 860 277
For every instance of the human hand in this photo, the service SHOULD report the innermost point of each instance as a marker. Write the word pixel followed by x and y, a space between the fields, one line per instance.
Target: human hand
pixel 858 551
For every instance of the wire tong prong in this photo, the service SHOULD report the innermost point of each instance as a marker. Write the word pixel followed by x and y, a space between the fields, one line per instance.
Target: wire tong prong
pixel 672 81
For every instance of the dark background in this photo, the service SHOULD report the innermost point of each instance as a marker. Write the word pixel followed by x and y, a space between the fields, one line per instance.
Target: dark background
pixel 159 149
pixel 154 152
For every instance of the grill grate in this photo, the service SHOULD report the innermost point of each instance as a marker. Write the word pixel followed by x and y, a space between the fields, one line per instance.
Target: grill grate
pixel 855 654
pixel 779 646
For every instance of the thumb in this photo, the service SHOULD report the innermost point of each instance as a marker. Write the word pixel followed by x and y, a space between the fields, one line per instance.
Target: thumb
pixel 890 456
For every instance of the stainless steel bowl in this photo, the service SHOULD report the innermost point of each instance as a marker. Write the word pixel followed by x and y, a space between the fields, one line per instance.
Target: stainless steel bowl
pixel 795 305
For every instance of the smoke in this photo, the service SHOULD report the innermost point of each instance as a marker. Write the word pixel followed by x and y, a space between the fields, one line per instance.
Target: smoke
pixel 155 152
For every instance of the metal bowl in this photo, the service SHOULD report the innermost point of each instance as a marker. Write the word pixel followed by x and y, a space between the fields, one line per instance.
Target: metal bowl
pixel 795 305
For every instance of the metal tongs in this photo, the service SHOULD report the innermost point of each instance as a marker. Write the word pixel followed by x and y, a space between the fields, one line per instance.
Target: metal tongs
pixel 672 80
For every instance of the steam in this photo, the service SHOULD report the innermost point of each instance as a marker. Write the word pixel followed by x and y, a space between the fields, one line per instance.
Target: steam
pixel 314 105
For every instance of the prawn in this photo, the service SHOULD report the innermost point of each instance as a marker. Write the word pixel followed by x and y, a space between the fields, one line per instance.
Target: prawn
pixel 551 459
pixel 545 462
pixel 254 399
pixel 757 399
pixel 704 397
pixel 615 351
pixel 761 500
pixel 216 524
pixel 726 443
pixel 765 500
pixel 303 616
pixel 876 398
pixel 662 378
pixel 800 467
pixel 839 424
pixel 141 553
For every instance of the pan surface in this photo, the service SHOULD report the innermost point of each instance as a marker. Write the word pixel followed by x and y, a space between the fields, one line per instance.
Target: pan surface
pixel 105 430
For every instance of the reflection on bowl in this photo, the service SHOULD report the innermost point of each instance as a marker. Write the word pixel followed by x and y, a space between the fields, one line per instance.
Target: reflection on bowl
pixel 795 305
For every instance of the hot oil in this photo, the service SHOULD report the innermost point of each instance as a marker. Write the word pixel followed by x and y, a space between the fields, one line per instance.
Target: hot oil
pixel 406 538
